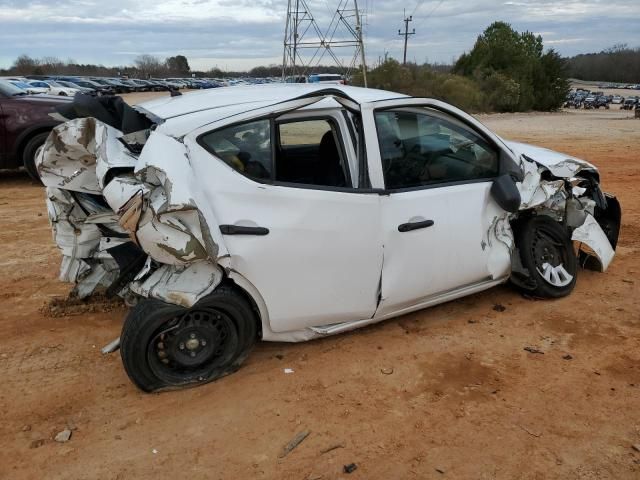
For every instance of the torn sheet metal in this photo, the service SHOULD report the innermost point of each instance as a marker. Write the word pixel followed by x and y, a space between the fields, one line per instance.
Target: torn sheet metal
pixel 147 200
pixel 591 234
pixel 68 159
pixel 533 190
pixel 180 286
pixel 559 164
pixel 74 237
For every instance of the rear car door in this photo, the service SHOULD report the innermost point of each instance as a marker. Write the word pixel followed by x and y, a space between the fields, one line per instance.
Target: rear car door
pixel 437 215
pixel 293 223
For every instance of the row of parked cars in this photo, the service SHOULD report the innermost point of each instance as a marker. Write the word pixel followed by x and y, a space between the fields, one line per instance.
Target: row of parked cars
pixel 64 85
pixel 629 86
pixel 70 85
pixel 587 99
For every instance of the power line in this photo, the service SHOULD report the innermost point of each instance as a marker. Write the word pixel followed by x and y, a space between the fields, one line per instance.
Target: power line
pixel 424 19
pixel 418 5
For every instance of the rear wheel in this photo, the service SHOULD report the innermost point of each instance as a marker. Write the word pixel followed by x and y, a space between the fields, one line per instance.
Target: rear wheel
pixel 546 251
pixel 164 346
pixel 29 155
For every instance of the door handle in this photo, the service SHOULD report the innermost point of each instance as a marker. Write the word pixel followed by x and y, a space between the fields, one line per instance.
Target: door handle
pixel 242 230
pixel 407 227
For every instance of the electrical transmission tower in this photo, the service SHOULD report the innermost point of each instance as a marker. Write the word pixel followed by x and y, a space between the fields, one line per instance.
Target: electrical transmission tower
pixel 406 36
pixel 305 44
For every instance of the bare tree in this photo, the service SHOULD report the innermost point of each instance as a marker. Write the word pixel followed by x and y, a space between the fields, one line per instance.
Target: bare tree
pixel 25 65
pixel 149 65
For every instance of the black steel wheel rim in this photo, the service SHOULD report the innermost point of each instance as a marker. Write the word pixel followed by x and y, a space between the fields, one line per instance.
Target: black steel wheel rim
pixel 193 345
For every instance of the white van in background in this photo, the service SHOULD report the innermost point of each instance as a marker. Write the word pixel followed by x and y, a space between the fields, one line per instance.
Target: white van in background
pixel 329 78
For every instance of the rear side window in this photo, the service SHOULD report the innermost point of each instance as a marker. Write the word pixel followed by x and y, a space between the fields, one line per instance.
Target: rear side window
pixel 310 152
pixel 308 132
pixel 307 152
pixel 246 148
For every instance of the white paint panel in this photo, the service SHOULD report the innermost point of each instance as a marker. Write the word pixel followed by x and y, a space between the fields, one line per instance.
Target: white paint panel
pixel 460 249
pixel 320 262
pixel 590 233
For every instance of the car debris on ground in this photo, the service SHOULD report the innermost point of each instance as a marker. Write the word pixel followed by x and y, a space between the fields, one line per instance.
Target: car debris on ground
pixel 294 442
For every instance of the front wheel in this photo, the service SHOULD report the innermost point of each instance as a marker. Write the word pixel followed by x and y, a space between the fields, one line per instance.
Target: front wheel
pixel 165 346
pixel 546 251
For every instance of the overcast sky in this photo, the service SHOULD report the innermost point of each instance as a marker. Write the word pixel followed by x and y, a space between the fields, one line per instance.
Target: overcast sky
pixel 240 34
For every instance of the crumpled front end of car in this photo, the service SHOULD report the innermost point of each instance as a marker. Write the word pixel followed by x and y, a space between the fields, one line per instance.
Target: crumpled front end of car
pixel 567 189
pixel 125 212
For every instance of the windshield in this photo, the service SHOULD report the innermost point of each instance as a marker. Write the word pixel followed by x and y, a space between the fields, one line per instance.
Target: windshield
pixel 7 88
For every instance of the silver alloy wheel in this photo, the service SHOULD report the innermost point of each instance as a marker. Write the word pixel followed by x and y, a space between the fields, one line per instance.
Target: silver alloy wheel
pixel 556 276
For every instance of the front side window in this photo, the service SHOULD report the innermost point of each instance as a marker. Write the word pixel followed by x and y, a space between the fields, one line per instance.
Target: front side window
pixel 420 149
pixel 245 147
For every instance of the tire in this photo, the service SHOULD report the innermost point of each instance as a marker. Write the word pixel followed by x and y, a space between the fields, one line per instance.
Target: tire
pixel 62 94
pixel 29 155
pixel 167 347
pixel 545 247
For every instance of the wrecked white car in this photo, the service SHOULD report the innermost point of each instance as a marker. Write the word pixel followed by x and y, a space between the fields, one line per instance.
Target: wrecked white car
pixel 290 212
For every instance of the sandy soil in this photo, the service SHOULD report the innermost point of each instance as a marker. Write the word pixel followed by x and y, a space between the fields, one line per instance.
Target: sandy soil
pixel 444 393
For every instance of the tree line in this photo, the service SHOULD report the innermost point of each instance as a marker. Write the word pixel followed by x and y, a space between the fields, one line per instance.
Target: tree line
pixel 619 64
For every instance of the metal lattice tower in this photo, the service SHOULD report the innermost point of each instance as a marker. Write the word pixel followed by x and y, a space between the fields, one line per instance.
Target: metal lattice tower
pixel 305 44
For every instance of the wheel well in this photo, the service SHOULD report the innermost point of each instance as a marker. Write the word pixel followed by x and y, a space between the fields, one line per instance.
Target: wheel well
pixel 230 283
pixel 23 141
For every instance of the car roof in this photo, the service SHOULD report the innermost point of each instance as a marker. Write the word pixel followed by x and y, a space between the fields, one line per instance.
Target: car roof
pixel 247 97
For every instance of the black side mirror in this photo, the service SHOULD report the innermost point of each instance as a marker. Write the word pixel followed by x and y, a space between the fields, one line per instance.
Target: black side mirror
pixel 505 193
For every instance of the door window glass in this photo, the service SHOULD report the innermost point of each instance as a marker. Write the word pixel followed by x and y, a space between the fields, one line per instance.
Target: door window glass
pixel 245 147
pixel 310 153
pixel 421 149
pixel 308 132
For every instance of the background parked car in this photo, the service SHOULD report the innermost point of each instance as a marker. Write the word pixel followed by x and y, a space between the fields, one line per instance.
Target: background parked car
pixel 54 88
pixel 101 89
pixel 21 84
pixel 25 124
pixel 65 83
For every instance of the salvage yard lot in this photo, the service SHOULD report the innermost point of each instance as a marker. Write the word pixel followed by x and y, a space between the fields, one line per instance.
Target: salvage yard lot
pixel 447 392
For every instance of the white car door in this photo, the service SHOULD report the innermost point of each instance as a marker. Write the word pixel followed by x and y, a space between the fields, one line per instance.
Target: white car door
pixel 438 216
pixel 294 227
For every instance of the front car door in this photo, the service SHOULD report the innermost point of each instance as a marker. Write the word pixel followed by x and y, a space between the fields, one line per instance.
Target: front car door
pixel 282 189
pixel 439 221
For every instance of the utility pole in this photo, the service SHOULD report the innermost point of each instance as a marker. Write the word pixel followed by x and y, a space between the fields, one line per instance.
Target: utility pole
pixel 406 35
pixel 361 43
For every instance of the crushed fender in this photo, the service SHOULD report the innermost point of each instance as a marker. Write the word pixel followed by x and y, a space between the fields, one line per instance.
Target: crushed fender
pixel 127 222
